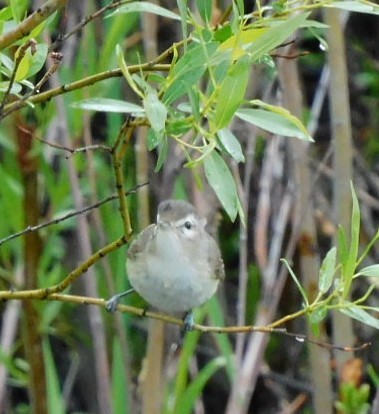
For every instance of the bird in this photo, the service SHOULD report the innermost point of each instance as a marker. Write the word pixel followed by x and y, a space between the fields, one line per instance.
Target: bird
pixel 174 264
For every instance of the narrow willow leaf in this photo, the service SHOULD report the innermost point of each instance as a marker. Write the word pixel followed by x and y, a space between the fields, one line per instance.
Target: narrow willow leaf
pixel 355 6
pixel 162 153
pixel 221 180
pixel 32 63
pixel 343 250
pixel 144 7
pixel 119 379
pixel 353 311
pixel 125 71
pixel 15 88
pixel 223 342
pixel 205 9
pixel 195 387
pixel 231 144
pixel 152 139
pixel 232 92
pixel 327 270
pixel 296 280
pixel 55 397
pixel 156 112
pixel 276 36
pixel 318 314
pixel 239 42
pixel 23 66
pixel 275 123
pixel 258 42
pixel 315 317
pixel 188 70
pixel 371 271
pixel 107 105
pixel 349 269
pixel 183 10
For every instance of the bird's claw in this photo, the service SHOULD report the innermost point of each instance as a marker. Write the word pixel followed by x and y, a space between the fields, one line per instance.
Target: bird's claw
pixel 189 322
pixel 112 303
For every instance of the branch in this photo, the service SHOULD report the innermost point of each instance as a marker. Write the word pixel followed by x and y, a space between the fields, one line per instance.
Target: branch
pixel 85 300
pixel 88 81
pixel 31 22
pixel 68 215
pixel 45 293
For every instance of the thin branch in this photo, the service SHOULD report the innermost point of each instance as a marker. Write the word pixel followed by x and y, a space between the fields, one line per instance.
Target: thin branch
pixel 123 139
pixel 31 22
pixel 57 220
pixel 72 151
pixel 86 300
pixel 112 5
pixel 87 81
pixel 21 53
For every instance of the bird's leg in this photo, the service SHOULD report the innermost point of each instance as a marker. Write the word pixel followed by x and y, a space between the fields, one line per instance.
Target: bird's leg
pixel 189 322
pixel 111 304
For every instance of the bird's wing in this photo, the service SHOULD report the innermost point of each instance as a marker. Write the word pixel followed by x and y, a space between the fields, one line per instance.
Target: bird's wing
pixel 141 242
pixel 217 264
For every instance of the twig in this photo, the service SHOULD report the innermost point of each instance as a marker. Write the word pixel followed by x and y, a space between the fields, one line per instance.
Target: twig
pixel 88 81
pixel 57 60
pixel 118 153
pixel 113 4
pixel 21 53
pixel 85 300
pixel 31 22
pixel 63 147
pixel 69 215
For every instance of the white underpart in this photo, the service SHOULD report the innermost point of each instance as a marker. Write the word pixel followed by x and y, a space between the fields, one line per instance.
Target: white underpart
pixel 168 280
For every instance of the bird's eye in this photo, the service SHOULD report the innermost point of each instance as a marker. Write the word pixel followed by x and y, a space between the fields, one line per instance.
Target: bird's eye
pixel 188 225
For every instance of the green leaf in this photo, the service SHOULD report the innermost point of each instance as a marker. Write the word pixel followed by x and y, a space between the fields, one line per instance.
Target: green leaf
pixel 156 112
pixel 188 70
pixel 282 123
pixel 370 271
pixel 55 399
pixel 315 317
pixel 349 268
pixel 162 153
pixel 205 9
pixel 183 10
pixel 327 270
pixel 125 71
pixel 152 139
pixel 107 105
pixel 355 6
pixel 145 7
pixel 195 387
pixel 296 280
pixel 232 92
pixel 119 379
pixel 355 312
pixel 15 88
pixel 38 59
pixel 274 37
pixel 221 180
pixel 188 351
pixel 318 315
pixel 343 250
pixel 231 144
pixel 19 9
pixel 258 42
pixel 223 342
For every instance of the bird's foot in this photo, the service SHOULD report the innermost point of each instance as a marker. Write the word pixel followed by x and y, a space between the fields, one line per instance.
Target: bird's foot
pixel 189 322
pixel 111 304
